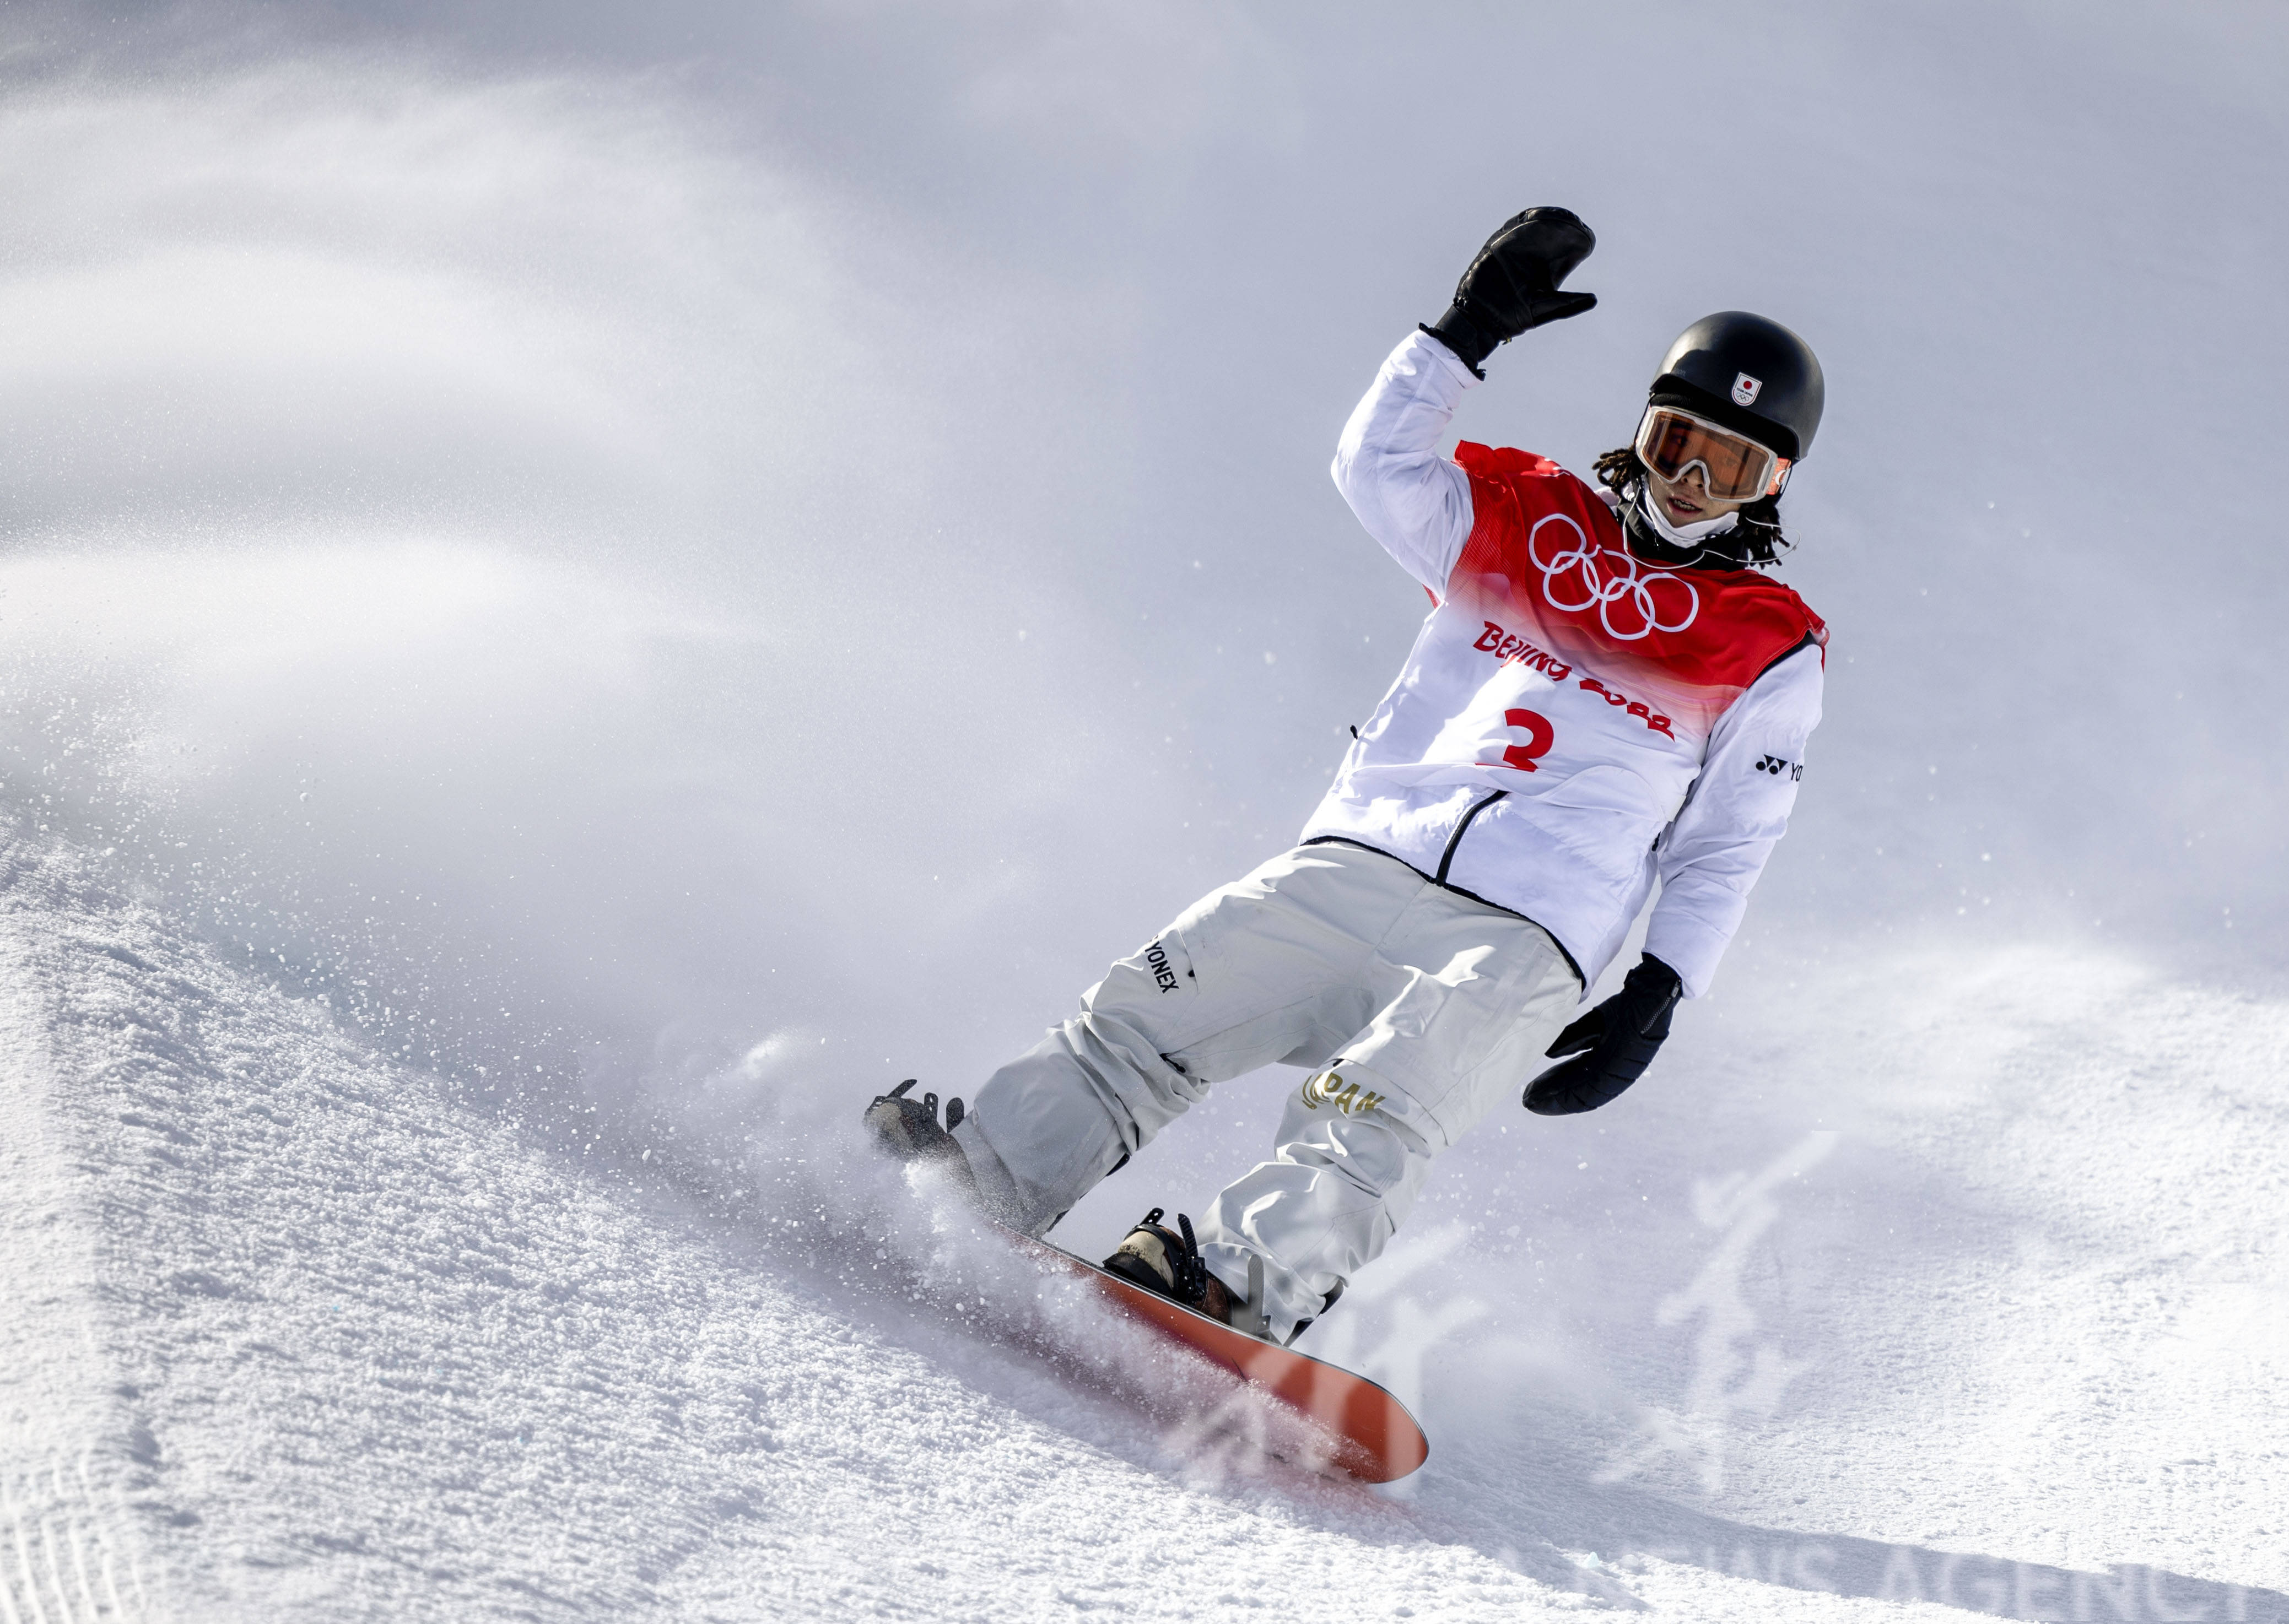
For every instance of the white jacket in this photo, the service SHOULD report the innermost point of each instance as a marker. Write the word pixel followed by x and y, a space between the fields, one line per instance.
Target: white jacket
pixel 1572 723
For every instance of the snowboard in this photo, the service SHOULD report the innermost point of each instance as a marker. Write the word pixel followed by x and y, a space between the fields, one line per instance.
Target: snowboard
pixel 1368 1434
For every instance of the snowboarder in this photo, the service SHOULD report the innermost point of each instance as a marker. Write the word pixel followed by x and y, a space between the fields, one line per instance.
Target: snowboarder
pixel 1606 692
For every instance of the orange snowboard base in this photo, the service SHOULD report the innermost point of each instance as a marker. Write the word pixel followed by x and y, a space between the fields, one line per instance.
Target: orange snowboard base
pixel 1369 1434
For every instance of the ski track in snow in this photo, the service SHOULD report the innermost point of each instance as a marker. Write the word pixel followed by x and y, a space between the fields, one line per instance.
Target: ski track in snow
pixel 307 1334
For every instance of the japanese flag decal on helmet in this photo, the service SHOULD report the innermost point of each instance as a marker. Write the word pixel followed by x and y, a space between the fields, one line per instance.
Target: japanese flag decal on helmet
pixel 1745 388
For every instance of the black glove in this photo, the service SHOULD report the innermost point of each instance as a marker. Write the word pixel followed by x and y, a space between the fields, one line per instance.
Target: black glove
pixel 1621 1035
pixel 1513 285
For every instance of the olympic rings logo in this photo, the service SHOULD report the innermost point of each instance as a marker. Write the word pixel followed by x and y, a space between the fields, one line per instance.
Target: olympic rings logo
pixel 1577 571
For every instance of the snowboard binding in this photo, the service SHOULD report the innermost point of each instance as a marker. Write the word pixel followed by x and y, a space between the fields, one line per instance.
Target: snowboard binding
pixel 1168 1264
pixel 908 1129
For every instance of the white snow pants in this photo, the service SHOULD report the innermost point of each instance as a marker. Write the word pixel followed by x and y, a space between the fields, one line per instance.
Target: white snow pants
pixel 1418 1009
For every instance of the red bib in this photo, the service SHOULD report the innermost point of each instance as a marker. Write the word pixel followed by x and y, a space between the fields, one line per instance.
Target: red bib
pixel 1548 561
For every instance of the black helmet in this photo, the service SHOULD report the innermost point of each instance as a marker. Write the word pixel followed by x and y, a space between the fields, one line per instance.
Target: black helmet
pixel 1749 373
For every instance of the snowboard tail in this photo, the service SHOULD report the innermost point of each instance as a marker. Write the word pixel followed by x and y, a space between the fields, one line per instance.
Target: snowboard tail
pixel 1372 1437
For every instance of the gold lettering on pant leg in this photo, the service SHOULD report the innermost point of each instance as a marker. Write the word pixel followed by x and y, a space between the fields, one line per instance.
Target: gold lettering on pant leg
pixel 1328 1088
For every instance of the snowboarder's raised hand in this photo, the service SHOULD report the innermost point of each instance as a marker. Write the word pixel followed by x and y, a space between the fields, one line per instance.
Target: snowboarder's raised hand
pixel 1621 1037
pixel 1513 285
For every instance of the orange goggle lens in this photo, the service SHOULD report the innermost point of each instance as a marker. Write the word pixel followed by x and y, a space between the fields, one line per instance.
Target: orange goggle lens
pixel 1733 467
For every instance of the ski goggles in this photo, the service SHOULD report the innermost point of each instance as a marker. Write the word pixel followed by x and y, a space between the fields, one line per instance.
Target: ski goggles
pixel 1733 467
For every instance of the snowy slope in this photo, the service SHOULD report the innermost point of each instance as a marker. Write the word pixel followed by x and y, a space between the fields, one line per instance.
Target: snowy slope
pixel 339 1345
pixel 341 1348
pixel 305 1334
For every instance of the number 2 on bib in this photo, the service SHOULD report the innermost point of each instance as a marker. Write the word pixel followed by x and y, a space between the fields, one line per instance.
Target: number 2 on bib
pixel 1538 736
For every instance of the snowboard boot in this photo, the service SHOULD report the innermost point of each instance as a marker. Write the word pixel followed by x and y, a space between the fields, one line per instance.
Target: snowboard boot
pixel 908 1129
pixel 1169 1265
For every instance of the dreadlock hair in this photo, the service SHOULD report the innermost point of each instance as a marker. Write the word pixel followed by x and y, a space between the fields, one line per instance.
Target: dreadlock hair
pixel 1757 539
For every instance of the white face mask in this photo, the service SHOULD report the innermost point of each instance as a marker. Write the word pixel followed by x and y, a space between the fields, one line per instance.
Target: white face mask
pixel 1686 535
